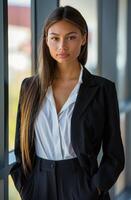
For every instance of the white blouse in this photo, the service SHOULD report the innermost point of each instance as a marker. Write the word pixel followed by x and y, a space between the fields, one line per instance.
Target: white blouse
pixel 52 130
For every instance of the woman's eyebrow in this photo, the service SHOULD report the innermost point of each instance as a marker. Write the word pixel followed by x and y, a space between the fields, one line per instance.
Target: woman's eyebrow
pixel 52 33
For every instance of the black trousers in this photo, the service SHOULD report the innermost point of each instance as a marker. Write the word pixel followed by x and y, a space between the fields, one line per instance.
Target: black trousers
pixel 57 180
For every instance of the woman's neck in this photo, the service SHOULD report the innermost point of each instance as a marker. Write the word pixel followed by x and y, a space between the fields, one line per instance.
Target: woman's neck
pixel 67 72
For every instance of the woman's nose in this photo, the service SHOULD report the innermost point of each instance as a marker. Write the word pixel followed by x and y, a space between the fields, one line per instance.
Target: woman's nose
pixel 62 45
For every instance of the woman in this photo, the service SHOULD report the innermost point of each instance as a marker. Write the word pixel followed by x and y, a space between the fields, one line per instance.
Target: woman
pixel 65 115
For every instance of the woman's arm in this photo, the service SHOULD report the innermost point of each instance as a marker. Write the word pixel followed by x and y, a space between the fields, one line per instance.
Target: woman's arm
pixel 18 121
pixel 112 162
pixel 16 170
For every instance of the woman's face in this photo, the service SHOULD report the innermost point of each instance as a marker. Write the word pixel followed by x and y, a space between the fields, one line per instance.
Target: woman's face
pixel 64 41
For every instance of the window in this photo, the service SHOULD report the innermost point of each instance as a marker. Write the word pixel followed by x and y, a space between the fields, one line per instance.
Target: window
pixel 19 48
pixel 122 49
pixel 120 184
pixel 19 66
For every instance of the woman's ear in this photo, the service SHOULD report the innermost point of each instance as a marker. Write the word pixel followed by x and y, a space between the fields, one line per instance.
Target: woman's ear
pixel 84 39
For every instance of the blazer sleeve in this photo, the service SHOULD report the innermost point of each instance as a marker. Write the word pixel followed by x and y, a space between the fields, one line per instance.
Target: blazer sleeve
pixel 18 119
pixel 16 170
pixel 112 162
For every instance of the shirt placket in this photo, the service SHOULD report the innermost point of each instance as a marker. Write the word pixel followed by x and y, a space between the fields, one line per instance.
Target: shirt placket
pixel 56 129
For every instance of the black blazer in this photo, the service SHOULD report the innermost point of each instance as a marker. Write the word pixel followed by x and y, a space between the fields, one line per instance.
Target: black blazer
pixel 95 123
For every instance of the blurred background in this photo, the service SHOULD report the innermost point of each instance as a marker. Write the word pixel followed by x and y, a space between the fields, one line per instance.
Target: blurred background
pixel 109 23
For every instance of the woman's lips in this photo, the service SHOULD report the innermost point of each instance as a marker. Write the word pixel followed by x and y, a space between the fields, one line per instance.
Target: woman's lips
pixel 63 55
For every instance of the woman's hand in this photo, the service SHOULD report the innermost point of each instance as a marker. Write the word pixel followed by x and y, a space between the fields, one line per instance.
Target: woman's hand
pixel 99 191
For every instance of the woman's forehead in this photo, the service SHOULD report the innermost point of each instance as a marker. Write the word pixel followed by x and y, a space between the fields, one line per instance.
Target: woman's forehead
pixel 63 26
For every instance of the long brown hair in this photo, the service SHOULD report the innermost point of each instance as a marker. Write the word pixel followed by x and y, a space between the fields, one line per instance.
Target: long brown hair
pixel 37 86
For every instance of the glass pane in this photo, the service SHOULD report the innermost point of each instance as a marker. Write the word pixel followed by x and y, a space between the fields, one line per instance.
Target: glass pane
pixel 88 9
pixel 19 34
pixel 120 184
pixel 13 194
pixel 121 48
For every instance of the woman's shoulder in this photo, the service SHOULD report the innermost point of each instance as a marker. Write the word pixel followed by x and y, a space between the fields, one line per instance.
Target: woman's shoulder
pixel 98 80
pixel 102 81
pixel 29 81
pixel 106 85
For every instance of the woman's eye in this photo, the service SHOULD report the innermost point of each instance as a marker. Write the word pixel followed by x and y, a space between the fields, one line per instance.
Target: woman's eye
pixel 54 38
pixel 71 38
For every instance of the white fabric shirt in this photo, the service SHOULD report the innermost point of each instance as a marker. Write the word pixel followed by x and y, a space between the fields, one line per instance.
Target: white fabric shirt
pixel 52 130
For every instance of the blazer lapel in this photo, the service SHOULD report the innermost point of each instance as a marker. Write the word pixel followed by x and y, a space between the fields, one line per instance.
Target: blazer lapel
pixel 87 91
